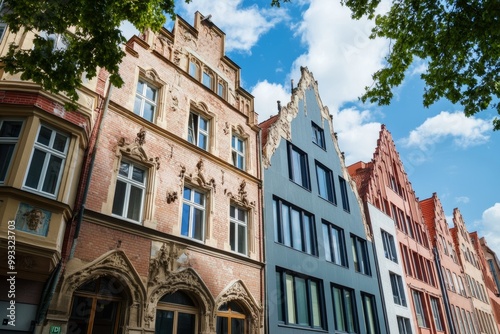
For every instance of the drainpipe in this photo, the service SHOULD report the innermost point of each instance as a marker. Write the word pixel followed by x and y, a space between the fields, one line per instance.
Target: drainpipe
pixel 263 229
pixel 51 285
pixel 444 292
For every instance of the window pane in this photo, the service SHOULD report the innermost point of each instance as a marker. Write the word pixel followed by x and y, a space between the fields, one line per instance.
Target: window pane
pixel 287 238
pixel 290 298
pixel 349 305
pixel 338 306
pixel 138 175
pixel 119 200
pixel 315 302
pixel 300 292
pixel 60 143
pixel 6 150
pixel 198 224
pixel 124 168
pixel 203 124
pixel 52 175
pixel 199 198
pixel 164 322
pixel 232 236
pixel 242 239
pixel 11 129
pixel 137 105
pixel 279 297
pixel 336 242
pixel 222 325
pixel 149 110
pixel 44 136
pixel 150 93
pixel 296 230
pixel 140 87
pixel 326 242
pixel 35 170
pixel 237 326
pixel 296 165
pixel 186 323
pixel 135 203
pixel 308 236
pixel 202 141
pixel 186 217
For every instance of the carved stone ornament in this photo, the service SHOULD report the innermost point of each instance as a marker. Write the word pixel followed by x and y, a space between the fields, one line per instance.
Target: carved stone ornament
pixel 238 292
pixel 169 258
pixel 241 197
pixel 198 177
pixel 186 280
pixel 172 197
pixel 135 149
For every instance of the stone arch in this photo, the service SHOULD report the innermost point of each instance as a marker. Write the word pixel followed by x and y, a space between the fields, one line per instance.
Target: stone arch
pixel 114 264
pixel 237 291
pixel 186 280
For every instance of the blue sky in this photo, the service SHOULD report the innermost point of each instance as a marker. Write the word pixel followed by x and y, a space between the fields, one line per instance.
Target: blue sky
pixel 442 150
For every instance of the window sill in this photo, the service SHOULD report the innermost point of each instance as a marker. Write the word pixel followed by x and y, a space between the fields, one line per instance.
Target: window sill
pixel 306 328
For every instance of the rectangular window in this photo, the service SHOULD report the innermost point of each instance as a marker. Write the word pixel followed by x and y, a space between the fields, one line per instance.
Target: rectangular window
pixel 129 192
pixel 220 89
pixel 343 192
pixel 193 214
pixel 318 136
pixel 389 246
pixel 436 312
pixel 360 255
pixel 238 235
pixel 47 161
pixel 3 27
pixel 9 136
pixel 198 130
pixel 334 244
pixel 300 300
pixel 238 152
pixel 398 291
pixel 145 100
pixel 207 80
pixel 194 70
pixel 298 166
pixel 404 325
pixel 294 227
pixel 344 309
pixel 419 309
pixel 326 187
pixel 370 314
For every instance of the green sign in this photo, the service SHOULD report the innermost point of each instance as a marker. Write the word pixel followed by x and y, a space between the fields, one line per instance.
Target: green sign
pixel 55 329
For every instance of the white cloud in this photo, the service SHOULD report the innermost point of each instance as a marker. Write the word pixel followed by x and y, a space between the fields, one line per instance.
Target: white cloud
pixel 349 124
pixel 462 199
pixel 243 26
pixel 465 131
pixel 266 96
pixel 489 227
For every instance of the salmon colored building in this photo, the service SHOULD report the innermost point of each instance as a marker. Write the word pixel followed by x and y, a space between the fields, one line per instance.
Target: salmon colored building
pixel 458 303
pixel 169 238
pixel 384 183
pixel 471 264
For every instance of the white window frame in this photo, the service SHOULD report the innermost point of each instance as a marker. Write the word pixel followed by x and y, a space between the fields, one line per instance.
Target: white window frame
pixel 389 246
pixel 129 183
pixel 236 224
pixel 189 202
pixel 438 321
pixel 144 99
pixel 49 153
pixel 10 140
pixel 398 290
pixel 195 131
pixel 235 153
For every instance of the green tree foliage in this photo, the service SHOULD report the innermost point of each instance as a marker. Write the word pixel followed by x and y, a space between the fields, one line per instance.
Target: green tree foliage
pixel 96 41
pixel 459 40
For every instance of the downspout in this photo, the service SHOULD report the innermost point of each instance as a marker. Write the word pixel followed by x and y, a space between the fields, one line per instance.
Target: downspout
pixel 444 292
pixel 50 287
pixel 263 229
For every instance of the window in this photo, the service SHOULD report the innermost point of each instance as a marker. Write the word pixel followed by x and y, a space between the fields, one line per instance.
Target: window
pixel 47 161
pixel 238 229
pixel 389 246
pixel 129 192
pixel 398 291
pixel 230 319
pixel 436 312
pixel 419 309
pixel 344 309
pixel 176 314
pixel 333 242
pixel 299 300
pixel 98 307
pixel 238 151
pixel 221 89
pixel 370 314
pixel 294 227
pixel 326 188
pixel 207 79
pixel 298 166
pixel 343 192
pixel 318 137
pixel 193 214
pixel 145 100
pixel 3 27
pixel 198 131
pixel 461 286
pixel 360 255
pixel 404 325
pixel 194 70
pixel 9 135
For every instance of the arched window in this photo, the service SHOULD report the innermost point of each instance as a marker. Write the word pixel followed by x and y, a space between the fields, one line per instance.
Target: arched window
pixel 176 313
pixel 98 307
pixel 231 319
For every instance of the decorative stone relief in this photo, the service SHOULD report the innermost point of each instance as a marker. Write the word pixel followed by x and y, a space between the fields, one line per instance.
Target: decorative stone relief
pixel 32 220
pixel 238 292
pixel 171 197
pixel 187 280
pixel 136 150
pixel 168 259
pixel 241 197
pixel 198 177
pixel 226 128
